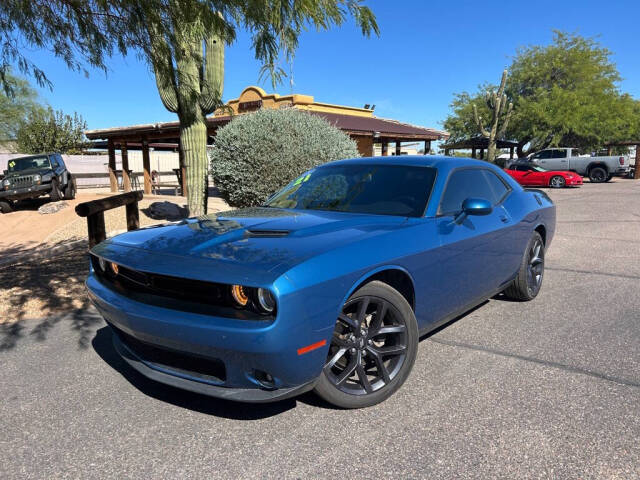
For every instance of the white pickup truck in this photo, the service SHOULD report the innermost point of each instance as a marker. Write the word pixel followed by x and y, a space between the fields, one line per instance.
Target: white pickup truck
pixel 598 169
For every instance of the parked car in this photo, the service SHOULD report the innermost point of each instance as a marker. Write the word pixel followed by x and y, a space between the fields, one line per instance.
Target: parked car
pixel 34 176
pixel 328 285
pixel 530 175
pixel 598 169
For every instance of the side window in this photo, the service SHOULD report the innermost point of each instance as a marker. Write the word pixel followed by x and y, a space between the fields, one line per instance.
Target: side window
pixel 54 161
pixel 559 154
pixel 60 160
pixel 497 186
pixel 472 182
pixel 545 154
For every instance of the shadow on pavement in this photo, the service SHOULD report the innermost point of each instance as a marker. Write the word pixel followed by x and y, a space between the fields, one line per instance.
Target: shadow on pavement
pixel 102 344
pixel 41 288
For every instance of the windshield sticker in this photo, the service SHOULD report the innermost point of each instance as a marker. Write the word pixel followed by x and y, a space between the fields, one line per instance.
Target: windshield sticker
pixel 302 179
pixel 12 164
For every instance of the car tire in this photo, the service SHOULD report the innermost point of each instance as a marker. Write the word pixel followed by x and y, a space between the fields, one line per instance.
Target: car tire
pixel 70 191
pixel 609 177
pixel 528 282
pixel 5 207
pixel 55 194
pixel 557 181
pixel 364 366
pixel 598 175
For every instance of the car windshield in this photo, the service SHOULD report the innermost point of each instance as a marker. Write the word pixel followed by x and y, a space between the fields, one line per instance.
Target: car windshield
pixel 538 169
pixel 360 188
pixel 19 164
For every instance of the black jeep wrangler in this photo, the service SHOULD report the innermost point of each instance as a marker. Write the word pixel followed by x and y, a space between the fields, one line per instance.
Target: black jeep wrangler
pixel 34 176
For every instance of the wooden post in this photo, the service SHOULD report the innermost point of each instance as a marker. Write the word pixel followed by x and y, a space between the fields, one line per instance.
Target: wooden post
pixel 133 217
pixel 97 231
pixel 446 152
pixel 113 179
pixel 473 152
pixel 609 150
pixel 146 167
pixel 126 181
pixel 636 173
pixel 385 148
pixel 398 147
pixel 427 147
pixel 511 150
pixel 481 153
pixel 183 170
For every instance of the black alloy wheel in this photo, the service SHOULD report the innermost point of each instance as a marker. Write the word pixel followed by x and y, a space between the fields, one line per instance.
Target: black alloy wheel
pixel 557 181
pixel 528 282
pixel 373 348
pixel 598 175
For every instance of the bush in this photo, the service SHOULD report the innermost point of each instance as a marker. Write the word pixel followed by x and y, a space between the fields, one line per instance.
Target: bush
pixel 258 153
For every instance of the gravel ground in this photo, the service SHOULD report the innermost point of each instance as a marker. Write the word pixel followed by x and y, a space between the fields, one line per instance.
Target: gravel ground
pixel 544 389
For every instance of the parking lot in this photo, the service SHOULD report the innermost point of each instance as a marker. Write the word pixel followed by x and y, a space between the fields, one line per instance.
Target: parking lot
pixel 546 389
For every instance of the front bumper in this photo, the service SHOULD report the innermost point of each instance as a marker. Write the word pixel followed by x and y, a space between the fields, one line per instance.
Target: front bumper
pixel 26 192
pixel 573 182
pixel 247 349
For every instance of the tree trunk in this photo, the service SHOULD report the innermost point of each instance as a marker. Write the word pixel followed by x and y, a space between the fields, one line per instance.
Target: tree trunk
pixel 193 144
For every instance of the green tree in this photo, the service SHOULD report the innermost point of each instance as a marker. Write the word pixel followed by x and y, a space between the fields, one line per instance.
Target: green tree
pixel 258 153
pixel 15 108
pixel 46 130
pixel 566 93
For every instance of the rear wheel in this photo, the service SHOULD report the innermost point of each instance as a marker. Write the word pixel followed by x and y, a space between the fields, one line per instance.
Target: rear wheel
pixel 527 284
pixel 373 349
pixel 598 175
pixel 557 181
pixel 5 207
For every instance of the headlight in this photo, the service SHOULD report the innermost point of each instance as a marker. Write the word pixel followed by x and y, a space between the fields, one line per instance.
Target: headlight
pixel 102 263
pixel 6 182
pixel 37 178
pixel 260 300
pixel 266 301
pixel 47 177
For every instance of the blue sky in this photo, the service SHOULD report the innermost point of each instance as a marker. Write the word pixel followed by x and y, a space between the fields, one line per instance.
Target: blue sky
pixel 427 50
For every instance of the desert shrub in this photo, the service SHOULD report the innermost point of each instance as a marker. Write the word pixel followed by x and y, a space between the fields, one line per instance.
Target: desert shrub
pixel 258 153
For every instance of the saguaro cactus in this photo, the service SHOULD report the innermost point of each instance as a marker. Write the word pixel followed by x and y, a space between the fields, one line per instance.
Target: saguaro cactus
pixel 496 103
pixel 190 83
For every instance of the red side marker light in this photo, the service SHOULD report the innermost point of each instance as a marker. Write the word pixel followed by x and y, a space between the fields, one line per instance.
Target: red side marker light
pixel 313 346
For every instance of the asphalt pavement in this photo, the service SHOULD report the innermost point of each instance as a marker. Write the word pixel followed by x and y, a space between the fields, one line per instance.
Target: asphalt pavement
pixel 545 389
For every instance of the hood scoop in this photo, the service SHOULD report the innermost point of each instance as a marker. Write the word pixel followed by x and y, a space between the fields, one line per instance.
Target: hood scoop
pixel 255 232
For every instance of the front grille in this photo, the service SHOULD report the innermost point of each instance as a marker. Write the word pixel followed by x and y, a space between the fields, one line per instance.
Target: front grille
pixel 209 369
pixel 176 293
pixel 21 182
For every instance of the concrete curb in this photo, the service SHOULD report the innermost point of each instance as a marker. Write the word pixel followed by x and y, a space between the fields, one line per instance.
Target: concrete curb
pixel 19 258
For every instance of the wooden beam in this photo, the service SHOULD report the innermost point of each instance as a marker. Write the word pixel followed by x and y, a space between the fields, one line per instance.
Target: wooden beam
pixel 126 181
pixel 482 154
pixel 113 178
pixel 511 150
pixel 427 147
pixel 473 152
pixel 385 148
pixel 636 173
pixel 146 167
pixel 398 147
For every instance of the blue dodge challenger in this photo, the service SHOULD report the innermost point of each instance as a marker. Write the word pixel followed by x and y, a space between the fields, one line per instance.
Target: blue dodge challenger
pixel 328 285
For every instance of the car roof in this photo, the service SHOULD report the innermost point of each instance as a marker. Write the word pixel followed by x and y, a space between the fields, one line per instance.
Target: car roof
pixel 35 155
pixel 435 161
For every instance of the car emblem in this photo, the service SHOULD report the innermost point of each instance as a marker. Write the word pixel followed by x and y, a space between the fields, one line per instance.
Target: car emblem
pixel 114 267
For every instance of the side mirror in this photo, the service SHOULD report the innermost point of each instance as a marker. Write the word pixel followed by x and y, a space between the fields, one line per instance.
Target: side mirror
pixel 473 206
pixel 5 172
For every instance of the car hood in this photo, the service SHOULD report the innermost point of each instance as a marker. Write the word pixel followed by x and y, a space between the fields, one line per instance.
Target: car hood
pixel 28 171
pixel 252 245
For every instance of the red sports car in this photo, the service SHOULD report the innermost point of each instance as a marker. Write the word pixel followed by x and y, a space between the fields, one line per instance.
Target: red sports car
pixel 531 175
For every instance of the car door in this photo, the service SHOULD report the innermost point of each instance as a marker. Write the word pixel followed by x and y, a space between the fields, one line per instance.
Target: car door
pixel 541 158
pixel 472 266
pixel 557 160
pixel 526 176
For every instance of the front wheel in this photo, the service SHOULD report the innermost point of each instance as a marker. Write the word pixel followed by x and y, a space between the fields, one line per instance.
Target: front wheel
pixel 56 193
pixel 557 181
pixel 70 191
pixel 5 207
pixel 527 284
pixel 373 348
